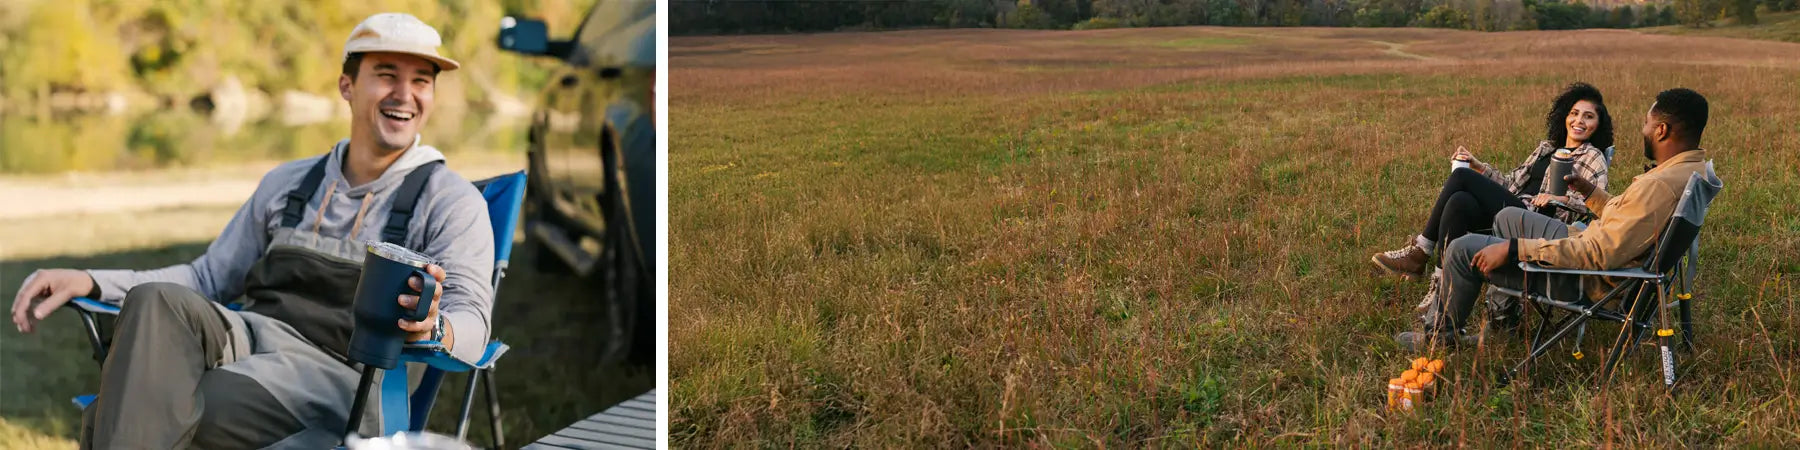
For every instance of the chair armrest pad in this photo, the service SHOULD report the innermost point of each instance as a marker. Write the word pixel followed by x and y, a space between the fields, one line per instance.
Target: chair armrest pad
pixel 1625 273
pixel 434 353
pixel 93 306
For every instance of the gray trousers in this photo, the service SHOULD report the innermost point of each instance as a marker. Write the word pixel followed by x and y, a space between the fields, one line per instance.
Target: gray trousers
pixel 1465 283
pixel 158 388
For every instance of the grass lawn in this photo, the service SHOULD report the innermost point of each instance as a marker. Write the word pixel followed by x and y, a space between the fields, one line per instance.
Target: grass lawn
pixel 929 238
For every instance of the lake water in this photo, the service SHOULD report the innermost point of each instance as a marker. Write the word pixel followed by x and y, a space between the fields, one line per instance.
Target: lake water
pixel 33 145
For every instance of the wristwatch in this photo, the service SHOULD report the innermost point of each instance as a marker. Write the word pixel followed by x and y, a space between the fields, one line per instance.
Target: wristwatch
pixel 437 329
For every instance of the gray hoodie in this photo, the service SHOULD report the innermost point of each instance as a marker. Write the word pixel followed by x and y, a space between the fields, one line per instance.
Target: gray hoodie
pixel 450 224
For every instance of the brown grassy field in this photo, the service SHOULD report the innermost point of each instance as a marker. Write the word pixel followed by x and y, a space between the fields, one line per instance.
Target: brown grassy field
pixel 1158 237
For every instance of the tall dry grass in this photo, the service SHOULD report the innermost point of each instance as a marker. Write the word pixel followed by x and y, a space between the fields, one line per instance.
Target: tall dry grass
pixel 1158 237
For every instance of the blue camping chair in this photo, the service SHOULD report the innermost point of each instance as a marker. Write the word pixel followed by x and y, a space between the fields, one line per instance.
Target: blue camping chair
pixel 504 194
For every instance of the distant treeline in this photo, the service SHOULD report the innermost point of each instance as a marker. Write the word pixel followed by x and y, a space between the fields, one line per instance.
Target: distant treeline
pixel 175 49
pixel 766 16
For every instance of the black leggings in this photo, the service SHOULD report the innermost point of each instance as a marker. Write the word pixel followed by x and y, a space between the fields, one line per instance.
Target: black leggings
pixel 1468 202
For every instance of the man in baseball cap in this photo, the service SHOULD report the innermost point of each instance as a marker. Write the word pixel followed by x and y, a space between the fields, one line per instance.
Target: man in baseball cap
pixel 185 371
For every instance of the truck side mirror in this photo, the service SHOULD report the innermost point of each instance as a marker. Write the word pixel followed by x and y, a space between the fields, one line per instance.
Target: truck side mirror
pixel 524 36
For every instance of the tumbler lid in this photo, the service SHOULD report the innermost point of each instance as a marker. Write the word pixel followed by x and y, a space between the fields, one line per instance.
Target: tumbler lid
pixel 400 254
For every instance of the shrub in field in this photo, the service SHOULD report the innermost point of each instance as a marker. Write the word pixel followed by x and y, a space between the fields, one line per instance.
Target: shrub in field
pixel 1030 17
pixel 1099 23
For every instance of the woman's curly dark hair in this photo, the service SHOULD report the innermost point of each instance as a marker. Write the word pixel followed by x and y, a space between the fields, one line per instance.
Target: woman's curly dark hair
pixel 1557 122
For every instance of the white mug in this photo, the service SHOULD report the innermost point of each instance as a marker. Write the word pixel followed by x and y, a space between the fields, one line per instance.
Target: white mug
pixel 1458 164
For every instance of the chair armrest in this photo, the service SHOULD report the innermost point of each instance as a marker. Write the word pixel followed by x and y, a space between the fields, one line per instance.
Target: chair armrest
pixel 434 354
pixel 1625 273
pixel 93 306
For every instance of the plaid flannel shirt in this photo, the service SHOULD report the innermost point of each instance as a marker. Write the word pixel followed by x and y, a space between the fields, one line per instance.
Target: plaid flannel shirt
pixel 1590 163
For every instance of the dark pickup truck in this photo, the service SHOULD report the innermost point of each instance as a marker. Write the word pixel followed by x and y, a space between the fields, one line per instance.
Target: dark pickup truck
pixel 590 207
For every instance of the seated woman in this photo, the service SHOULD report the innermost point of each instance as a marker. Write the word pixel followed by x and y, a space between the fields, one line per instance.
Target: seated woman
pixel 1472 196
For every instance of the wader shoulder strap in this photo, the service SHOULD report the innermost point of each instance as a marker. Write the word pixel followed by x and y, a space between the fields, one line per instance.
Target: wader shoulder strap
pixel 405 200
pixel 297 198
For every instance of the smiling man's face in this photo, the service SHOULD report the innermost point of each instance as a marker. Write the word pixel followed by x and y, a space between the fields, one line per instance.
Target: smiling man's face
pixel 390 97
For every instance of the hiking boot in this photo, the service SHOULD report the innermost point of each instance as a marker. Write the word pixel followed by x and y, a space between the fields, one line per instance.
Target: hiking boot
pixel 1419 342
pixel 1431 293
pixel 1408 261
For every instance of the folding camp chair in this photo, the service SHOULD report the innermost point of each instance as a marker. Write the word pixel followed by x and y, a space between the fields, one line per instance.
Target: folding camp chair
pixel 1641 297
pixel 504 194
pixel 1579 218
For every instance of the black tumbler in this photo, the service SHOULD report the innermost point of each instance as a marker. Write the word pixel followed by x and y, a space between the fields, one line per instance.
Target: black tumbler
pixel 377 338
pixel 1560 166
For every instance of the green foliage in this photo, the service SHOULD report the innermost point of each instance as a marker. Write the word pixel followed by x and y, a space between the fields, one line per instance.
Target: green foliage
pixel 1562 16
pixel 1485 15
pixel 1442 16
pixel 1099 23
pixel 62 47
pixel 180 48
pixel 966 13
pixel 1746 12
pixel 1387 13
pixel 1224 12
pixel 1031 17
pixel 1696 13
pixel 1623 17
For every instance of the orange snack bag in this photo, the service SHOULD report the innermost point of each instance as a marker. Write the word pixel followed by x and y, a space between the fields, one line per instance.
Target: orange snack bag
pixel 1396 390
pixel 1413 396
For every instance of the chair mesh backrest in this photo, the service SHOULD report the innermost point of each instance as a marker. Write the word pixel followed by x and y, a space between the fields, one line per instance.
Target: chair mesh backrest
pixel 1690 212
pixel 504 195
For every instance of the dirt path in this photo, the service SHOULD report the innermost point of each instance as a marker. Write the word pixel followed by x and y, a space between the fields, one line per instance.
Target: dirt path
pixel 1399 49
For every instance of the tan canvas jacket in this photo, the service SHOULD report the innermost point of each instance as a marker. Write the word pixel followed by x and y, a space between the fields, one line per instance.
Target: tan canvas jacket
pixel 1590 164
pixel 1629 223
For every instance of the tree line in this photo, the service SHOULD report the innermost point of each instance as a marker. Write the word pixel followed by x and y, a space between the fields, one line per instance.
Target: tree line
pixel 174 49
pixel 766 16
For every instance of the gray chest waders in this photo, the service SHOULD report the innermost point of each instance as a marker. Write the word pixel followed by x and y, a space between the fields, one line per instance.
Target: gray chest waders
pixel 306 280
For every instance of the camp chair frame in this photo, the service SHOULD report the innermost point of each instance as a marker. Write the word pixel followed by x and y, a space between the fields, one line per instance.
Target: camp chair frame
pixel 505 195
pixel 1648 289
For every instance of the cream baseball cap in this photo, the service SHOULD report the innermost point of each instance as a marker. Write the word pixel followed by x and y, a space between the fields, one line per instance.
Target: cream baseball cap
pixel 398 33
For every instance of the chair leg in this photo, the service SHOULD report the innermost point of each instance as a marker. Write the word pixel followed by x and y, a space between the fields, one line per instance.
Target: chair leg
pixel 1630 333
pixel 1687 323
pixel 1666 351
pixel 493 410
pixel 1540 346
pixel 462 421
pixel 1580 337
